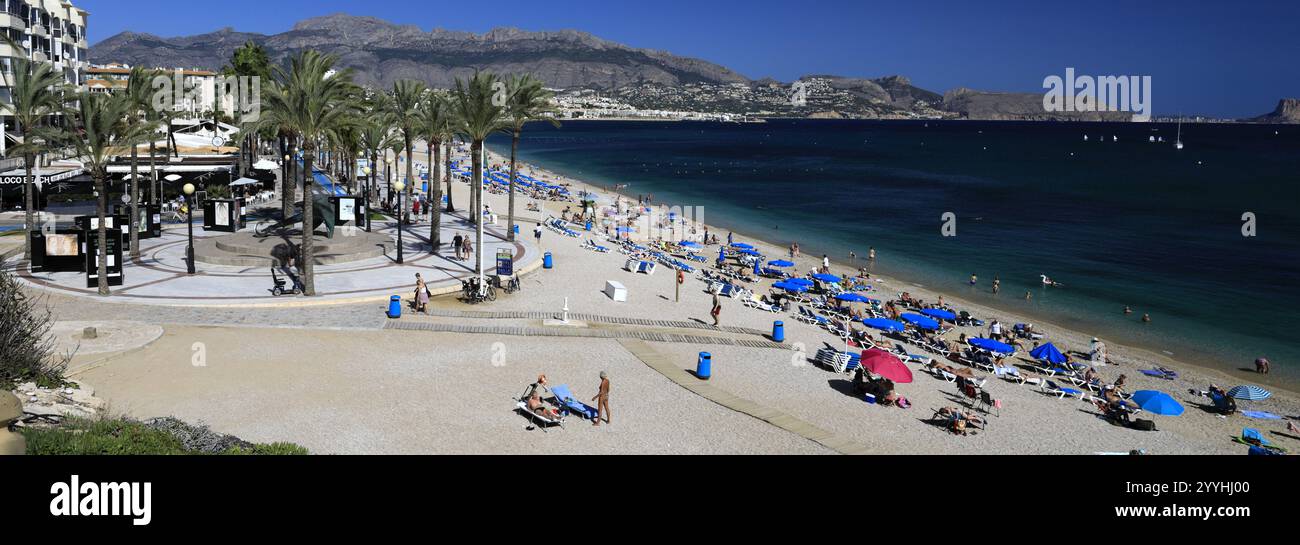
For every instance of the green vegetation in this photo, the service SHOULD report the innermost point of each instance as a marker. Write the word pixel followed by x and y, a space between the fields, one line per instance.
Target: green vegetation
pixel 27 352
pixel 120 436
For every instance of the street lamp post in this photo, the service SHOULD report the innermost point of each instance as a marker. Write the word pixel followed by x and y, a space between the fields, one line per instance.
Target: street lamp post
pixel 399 186
pixel 366 172
pixel 189 220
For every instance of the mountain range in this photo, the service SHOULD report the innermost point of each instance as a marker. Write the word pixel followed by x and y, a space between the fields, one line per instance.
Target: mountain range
pixel 380 52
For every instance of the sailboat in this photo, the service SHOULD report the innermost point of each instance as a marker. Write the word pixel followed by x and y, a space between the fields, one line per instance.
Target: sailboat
pixel 1178 144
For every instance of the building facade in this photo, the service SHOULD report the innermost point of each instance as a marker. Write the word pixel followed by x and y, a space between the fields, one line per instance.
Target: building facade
pixel 44 31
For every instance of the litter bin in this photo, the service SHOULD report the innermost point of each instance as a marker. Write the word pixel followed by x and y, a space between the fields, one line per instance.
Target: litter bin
pixel 588 226
pixel 704 369
pixel 778 331
pixel 516 228
pixel 548 262
pixel 395 307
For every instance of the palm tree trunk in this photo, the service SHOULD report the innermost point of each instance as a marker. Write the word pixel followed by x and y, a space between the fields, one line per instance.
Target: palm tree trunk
pixel 514 173
pixel 410 180
pixel 286 196
pixel 435 198
pixel 134 208
pixel 477 211
pixel 101 207
pixel 308 257
pixel 29 203
pixel 450 207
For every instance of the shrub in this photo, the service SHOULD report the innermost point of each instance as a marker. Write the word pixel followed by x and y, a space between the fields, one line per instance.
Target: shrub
pixel 27 351
pixel 162 436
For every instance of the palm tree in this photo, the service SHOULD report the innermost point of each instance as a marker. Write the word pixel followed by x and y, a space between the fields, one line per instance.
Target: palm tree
pixel 434 124
pixel 37 94
pixel 479 113
pixel 139 96
pixel 102 130
pixel 310 101
pixel 376 138
pixel 529 101
pixel 403 109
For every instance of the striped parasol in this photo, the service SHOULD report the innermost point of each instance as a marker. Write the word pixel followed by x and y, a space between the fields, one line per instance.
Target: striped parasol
pixel 1249 393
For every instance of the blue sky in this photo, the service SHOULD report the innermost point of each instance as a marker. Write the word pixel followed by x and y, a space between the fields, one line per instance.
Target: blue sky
pixel 1218 58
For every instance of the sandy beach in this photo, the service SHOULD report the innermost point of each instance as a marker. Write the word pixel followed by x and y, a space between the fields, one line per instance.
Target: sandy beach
pixel 343 379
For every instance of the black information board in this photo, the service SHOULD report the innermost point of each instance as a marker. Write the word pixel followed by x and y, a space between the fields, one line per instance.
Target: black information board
pixel 58 250
pixel 113 250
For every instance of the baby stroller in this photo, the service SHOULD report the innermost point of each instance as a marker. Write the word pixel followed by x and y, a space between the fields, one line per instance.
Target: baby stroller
pixel 279 289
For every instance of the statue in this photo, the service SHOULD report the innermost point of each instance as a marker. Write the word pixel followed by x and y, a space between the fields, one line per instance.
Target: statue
pixel 323 210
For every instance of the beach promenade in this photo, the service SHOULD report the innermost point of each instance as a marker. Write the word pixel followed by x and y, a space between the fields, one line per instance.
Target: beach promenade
pixel 335 375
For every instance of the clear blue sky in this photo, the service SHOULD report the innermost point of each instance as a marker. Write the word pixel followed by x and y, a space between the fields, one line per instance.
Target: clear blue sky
pixel 1219 58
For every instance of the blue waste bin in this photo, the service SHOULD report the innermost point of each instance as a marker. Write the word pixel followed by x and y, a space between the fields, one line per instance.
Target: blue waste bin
pixel 704 369
pixel 395 307
pixel 778 331
pixel 516 228
pixel 588 226
pixel 547 261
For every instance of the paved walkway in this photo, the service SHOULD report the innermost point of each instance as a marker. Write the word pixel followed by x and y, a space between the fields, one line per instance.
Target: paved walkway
pixel 677 374
pixel 589 318
pixel 562 331
pixel 158 276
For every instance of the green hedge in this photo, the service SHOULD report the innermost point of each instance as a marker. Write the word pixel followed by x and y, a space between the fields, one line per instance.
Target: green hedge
pixel 81 436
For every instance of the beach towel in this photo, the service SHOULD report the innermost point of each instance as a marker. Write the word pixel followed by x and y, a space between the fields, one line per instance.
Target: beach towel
pixel 1261 415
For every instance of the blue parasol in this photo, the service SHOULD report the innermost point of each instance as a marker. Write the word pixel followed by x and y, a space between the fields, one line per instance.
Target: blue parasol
pixel 1048 353
pixel 827 278
pixel 1157 403
pixel 921 321
pixel 801 281
pixel 1249 393
pixel 781 264
pixel 939 314
pixel 884 324
pixel 787 286
pixel 742 246
pixel 992 345
pixel 853 298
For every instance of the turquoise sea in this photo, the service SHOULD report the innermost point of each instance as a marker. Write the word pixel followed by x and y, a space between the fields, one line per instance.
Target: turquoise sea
pixel 1117 222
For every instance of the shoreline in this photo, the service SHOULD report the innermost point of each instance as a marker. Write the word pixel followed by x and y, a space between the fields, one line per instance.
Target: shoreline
pixel 1131 357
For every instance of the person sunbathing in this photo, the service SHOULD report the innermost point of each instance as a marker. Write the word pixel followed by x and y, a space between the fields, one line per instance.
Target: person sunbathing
pixel 541 409
pixel 958 420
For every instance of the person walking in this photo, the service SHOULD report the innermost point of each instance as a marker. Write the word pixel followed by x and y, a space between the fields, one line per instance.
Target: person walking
pixel 602 400
pixel 469 247
pixel 826 264
pixel 537 234
pixel 871 254
pixel 997 285
pixel 717 309
pixel 459 244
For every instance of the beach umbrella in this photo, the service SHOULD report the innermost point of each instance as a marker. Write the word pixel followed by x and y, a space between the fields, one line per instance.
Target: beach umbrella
pixel 787 286
pixel 801 281
pixel 884 364
pixel 750 253
pixel 722 254
pixel 993 346
pixel 781 264
pixel 827 278
pixel 689 244
pixel 921 321
pixel 884 324
pixel 1048 353
pixel 853 298
pixel 742 246
pixel 1249 393
pixel 940 314
pixel 1157 403
pixel 172 177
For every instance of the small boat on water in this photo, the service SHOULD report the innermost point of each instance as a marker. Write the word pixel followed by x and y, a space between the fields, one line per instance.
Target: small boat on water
pixel 1049 282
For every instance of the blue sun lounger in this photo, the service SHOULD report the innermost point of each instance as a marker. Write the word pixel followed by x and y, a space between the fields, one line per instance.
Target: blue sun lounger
pixel 566 400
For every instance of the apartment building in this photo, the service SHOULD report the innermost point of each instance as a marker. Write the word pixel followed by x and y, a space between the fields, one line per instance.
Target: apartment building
pixel 45 31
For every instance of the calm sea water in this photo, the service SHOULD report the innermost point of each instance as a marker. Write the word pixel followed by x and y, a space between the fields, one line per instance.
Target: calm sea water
pixel 1119 223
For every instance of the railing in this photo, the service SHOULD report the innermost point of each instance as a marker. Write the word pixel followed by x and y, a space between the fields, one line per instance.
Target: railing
pixel 7 165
